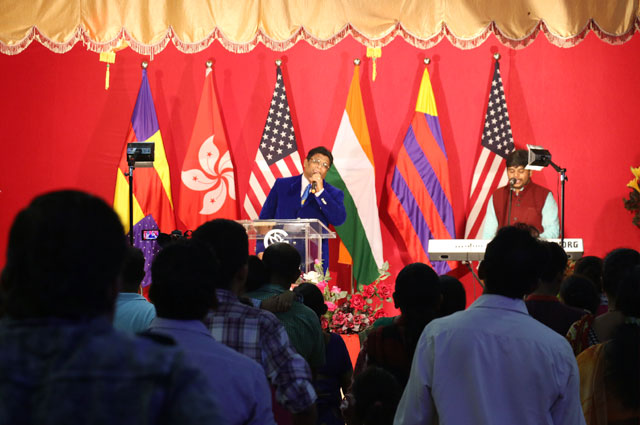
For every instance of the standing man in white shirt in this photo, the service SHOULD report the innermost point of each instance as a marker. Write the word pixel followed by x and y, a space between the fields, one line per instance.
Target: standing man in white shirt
pixel 493 363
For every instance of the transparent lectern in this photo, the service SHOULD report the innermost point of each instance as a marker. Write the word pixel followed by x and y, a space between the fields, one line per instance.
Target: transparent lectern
pixel 306 234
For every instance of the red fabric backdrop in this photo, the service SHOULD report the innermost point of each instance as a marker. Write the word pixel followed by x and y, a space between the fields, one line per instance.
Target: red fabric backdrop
pixel 61 129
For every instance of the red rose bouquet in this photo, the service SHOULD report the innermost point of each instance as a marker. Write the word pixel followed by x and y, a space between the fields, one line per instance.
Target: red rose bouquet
pixel 351 313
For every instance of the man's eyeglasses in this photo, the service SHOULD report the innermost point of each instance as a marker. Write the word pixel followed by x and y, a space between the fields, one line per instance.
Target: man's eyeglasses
pixel 320 163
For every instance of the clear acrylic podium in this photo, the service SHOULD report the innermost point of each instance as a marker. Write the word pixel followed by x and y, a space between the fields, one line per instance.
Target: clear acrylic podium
pixel 306 234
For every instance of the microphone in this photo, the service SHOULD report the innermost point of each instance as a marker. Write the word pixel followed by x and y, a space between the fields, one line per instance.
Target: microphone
pixel 314 187
pixel 512 182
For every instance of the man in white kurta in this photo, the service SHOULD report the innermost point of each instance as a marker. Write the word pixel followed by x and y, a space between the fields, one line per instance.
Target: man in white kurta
pixel 493 363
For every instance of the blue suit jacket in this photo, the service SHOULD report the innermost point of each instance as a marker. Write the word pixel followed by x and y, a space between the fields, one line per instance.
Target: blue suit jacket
pixel 284 202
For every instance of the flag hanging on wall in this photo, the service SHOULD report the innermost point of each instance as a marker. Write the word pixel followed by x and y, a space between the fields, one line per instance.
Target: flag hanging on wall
pixel 207 189
pixel 151 186
pixel 152 203
pixel 496 144
pixel 420 195
pixel 353 172
pixel 277 154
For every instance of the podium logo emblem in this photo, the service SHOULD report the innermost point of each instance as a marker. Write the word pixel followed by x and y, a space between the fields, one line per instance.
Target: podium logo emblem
pixel 275 236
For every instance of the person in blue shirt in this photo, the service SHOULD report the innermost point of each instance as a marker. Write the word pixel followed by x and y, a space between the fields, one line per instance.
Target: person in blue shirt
pixel 133 312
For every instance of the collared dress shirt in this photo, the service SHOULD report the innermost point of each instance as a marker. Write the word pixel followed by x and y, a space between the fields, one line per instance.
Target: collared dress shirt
pixel 55 371
pixel 302 326
pixel 259 335
pixel 491 364
pixel 237 382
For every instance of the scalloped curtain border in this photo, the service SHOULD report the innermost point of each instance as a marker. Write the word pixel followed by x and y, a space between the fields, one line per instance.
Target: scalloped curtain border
pixel 82 35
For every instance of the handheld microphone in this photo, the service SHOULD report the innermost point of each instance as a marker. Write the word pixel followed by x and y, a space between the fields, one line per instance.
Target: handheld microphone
pixel 512 181
pixel 314 187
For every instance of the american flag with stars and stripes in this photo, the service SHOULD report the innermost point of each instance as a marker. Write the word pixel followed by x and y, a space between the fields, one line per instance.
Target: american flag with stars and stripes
pixel 497 143
pixel 277 153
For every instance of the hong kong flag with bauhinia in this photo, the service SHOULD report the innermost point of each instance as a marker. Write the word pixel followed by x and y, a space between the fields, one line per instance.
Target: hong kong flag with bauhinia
pixel 207 188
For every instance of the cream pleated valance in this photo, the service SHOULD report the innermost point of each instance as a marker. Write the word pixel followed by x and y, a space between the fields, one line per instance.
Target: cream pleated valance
pixel 147 26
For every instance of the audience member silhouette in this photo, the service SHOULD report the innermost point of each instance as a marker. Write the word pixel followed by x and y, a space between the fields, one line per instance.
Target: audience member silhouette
pixel 454 297
pixel 592 330
pixel 374 398
pixel 282 263
pixel 590 266
pixel 133 312
pixel 61 361
pixel 610 372
pixel 578 291
pixel 493 363
pixel 418 296
pixel 183 291
pixel 336 374
pixel 257 275
pixel 543 304
pixel 253 332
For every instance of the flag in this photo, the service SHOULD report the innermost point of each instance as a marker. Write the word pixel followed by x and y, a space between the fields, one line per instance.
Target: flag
pixel 353 172
pixel 152 203
pixel 208 185
pixel 420 196
pixel 277 154
pixel 496 144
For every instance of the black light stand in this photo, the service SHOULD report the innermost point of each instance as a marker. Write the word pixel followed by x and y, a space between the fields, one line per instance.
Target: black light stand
pixel 540 158
pixel 132 165
pixel 139 154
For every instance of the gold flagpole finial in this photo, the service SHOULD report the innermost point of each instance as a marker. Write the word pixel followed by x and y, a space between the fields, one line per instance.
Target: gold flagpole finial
pixel 278 62
pixel 356 61
pixel 145 64
pixel 209 64
pixel 427 61
pixel 496 56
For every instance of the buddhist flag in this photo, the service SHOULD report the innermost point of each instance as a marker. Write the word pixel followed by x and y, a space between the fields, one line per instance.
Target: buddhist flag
pixel 208 186
pixel 490 170
pixel 420 196
pixel 353 172
pixel 152 203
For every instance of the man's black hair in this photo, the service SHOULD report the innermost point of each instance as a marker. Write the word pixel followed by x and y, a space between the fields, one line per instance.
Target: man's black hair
pixel 257 274
pixel 518 158
pixel 183 275
pixel 417 285
pixel 512 263
pixel 556 264
pixel 64 255
pixel 282 261
pixel 228 240
pixel 132 270
pixel 323 151
pixel 454 296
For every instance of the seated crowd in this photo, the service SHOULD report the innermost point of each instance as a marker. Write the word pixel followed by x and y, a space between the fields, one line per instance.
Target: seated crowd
pixel 231 339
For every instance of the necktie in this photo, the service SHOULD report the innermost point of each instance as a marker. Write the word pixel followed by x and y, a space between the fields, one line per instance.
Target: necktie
pixel 305 194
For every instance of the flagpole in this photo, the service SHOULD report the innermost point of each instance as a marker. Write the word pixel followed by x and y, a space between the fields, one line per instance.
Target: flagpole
pixel 132 165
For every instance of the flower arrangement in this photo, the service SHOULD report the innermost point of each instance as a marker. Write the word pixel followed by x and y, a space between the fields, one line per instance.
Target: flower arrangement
pixel 633 203
pixel 351 313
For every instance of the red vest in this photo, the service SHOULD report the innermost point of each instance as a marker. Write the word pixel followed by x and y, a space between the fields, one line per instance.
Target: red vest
pixel 526 206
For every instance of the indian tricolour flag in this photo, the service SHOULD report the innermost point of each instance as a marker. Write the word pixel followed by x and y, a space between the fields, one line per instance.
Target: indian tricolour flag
pixel 353 172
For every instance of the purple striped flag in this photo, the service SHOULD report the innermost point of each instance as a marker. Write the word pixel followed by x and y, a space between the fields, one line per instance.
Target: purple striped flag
pixel 420 200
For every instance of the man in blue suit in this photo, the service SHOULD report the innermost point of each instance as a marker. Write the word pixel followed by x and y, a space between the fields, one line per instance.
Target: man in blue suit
pixel 308 196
